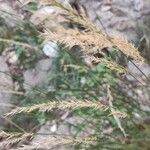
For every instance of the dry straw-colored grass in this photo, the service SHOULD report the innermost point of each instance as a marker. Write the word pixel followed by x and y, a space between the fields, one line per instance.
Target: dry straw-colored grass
pixel 109 63
pixel 90 39
pixel 18 138
pixel 90 42
pixel 116 114
pixel 9 139
pixel 59 140
pixel 67 104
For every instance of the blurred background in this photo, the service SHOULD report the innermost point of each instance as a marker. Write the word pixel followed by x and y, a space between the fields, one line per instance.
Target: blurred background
pixel 32 71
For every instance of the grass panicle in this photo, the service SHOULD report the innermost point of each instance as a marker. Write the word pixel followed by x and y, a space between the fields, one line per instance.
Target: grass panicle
pixel 90 39
pixel 9 139
pixel 46 107
pixel 15 138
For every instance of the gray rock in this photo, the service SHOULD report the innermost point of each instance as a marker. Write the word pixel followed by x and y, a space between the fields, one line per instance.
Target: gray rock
pixel 8 11
pixel 62 128
pixel 6 85
pixel 44 64
pixel 117 15
pixel 145 68
pixel 38 75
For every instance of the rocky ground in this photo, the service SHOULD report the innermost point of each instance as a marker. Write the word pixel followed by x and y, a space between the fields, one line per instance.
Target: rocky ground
pixel 6 86
pixel 117 16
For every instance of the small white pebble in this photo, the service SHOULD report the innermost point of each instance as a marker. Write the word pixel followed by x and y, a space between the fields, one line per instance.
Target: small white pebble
pixel 51 49
pixel 53 128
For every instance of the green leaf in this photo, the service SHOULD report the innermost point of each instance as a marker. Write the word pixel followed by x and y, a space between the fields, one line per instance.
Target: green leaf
pixel 41 118
pixel 100 68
